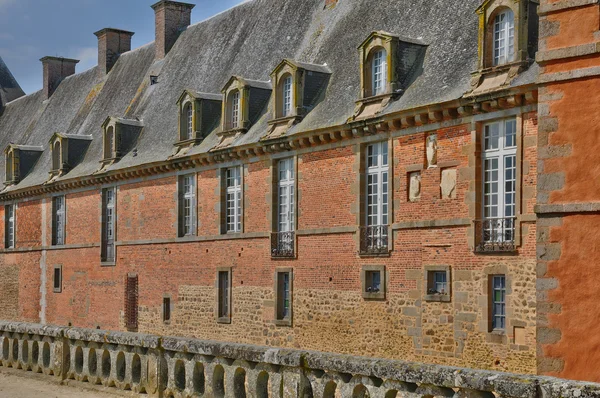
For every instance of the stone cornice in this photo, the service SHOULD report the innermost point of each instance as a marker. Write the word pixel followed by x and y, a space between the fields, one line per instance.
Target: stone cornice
pixel 547 7
pixel 490 102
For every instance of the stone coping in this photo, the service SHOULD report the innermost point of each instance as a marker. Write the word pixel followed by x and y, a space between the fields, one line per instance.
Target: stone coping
pixel 502 384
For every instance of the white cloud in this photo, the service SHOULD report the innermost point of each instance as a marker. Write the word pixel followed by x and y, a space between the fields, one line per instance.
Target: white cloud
pixel 87 56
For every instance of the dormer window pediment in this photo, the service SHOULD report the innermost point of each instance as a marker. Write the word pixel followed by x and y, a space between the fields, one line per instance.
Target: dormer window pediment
pixel 19 161
pixel 119 137
pixel 199 115
pixel 67 152
pixel 388 64
pixel 297 89
pixel 244 101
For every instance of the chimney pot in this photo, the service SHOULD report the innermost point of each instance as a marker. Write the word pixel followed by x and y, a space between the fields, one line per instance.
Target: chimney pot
pixel 111 44
pixel 56 69
pixel 171 18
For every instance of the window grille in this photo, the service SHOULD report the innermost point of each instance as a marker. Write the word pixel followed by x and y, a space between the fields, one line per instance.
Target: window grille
pixel 131 303
pixel 224 284
pixel 166 309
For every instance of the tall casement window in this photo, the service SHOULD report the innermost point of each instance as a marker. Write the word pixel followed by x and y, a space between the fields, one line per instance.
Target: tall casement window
pixel 504 38
pixel 233 199
pixel 56 156
pixel 131 302
pixel 379 71
pixel 283 291
pixel 498 302
pixel 187 205
pixel 283 239
pixel 9 226
pixel 109 143
pixel 234 110
pixel 9 167
pixel 287 96
pixel 109 216
pixel 499 161
pixel 58 220
pixel 188 112
pixel 374 236
pixel 224 295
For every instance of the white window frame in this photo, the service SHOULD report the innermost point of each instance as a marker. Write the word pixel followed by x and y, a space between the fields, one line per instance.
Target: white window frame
pixel 379 171
pixel 287 96
pixel 109 199
pixel 10 226
pixel 235 109
pixel 233 199
pixel 187 215
pixel 286 191
pixel 59 220
pixel 379 71
pixel 504 37
pixel 189 114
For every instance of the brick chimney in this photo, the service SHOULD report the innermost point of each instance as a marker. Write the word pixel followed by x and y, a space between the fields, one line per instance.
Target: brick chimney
pixel 56 69
pixel 171 18
pixel 111 44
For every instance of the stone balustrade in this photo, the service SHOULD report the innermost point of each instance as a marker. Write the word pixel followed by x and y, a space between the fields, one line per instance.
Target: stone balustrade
pixel 179 367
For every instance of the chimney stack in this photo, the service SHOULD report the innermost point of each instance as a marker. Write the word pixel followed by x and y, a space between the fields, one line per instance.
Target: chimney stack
pixel 171 18
pixel 111 44
pixel 56 69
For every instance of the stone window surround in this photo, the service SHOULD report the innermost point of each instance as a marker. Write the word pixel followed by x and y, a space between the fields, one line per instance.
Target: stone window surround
pixel 361 161
pixel 273 196
pixel 288 321
pixel 381 295
pixel 185 100
pixel 54 221
pixel 487 14
pixel 194 205
pixel 243 119
pixel 223 319
pixel 11 174
pixel 377 41
pixel 115 189
pixel 427 281
pixel 485 304
pixel 171 306
pixel 278 76
pixel 476 190
pixel 55 288
pixel 221 172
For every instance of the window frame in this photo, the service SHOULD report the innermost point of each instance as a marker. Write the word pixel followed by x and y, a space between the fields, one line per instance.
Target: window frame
pixel 57 155
pixel 10 167
pixel 131 310
pixel 287 200
pixel 109 142
pixel 167 309
pixel 283 318
pixel 187 196
pixel 501 54
pixel 57 287
pixel 379 170
pixel 429 283
pixel 287 96
pixel 237 191
pixel 379 86
pixel 59 220
pixel 10 239
pixel 223 297
pixel 503 303
pixel 233 109
pixel 366 272
pixel 106 226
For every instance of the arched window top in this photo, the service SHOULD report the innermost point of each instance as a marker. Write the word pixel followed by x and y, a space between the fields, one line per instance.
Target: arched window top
pixel 233 105
pixel 287 95
pixel 504 37
pixel 379 68
pixel 56 156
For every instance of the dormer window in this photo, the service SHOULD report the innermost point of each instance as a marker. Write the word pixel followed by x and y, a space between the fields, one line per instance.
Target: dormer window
pixel 20 160
pixel 120 137
pixel 299 88
pixel 56 156
pixel 67 152
pixel 234 109
pixel 286 95
pixel 504 37
pixel 379 71
pixel 388 65
pixel 244 103
pixel 199 115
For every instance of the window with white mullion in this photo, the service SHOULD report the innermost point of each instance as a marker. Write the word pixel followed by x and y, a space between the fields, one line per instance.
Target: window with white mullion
pixel 234 199
pixel 59 220
pixel 377 184
pixel 379 72
pixel 235 109
pixel 286 189
pixel 287 96
pixel 188 200
pixel 499 158
pixel 108 244
pixel 504 37
pixel 9 214
pixel 190 121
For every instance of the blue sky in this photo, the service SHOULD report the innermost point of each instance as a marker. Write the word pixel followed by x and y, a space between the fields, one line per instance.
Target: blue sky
pixel 32 29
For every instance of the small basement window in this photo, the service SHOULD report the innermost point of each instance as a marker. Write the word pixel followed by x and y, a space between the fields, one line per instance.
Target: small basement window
pixel 438 283
pixel 57 279
pixel 373 282
pixel 166 309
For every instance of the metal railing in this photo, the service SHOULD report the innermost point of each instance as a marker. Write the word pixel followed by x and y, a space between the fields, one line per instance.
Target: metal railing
pixel 495 235
pixel 283 244
pixel 374 239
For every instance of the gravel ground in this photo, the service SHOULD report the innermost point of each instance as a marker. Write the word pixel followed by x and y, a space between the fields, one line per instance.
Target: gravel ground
pixel 15 386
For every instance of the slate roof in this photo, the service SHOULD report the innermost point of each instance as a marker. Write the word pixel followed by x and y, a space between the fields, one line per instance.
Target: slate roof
pixel 9 88
pixel 249 40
